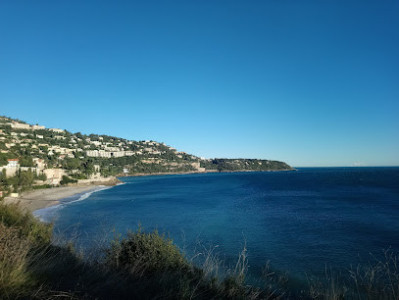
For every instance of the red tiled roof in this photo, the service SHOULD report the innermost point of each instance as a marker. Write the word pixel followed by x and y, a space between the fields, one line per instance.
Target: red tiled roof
pixel 13 159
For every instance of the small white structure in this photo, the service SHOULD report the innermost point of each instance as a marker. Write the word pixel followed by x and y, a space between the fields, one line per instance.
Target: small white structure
pixel 54 176
pixel 56 130
pixel 13 163
pixel 98 153
pixel 38 127
pixel 12 167
pixel 17 125
pixel 41 165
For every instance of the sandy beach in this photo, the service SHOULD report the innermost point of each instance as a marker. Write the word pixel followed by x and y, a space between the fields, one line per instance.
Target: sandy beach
pixel 37 199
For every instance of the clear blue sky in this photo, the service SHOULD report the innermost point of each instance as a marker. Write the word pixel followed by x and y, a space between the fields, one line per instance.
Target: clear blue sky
pixel 312 83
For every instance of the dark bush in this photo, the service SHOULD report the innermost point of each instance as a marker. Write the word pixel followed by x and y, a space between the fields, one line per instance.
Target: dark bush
pixel 65 180
pixel 146 252
pixel 26 224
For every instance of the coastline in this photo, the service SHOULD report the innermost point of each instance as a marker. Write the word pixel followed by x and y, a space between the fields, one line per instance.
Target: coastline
pixel 37 199
pixel 33 200
pixel 205 172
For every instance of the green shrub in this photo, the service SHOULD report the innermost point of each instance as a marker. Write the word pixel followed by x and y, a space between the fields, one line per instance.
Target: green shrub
pixel 146 252
pixel 65 180
pixel 12 216
pixel 78 176
pixel 41 177
pixel 42 186
pixel 21 236
pixel 14 276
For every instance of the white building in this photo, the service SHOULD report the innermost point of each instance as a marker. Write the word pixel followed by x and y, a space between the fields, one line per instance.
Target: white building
pixel 118 154
pixel 54 176
pixel 12 167
pixel 16 125
pixel 57 130
pixel 97 143
pixel 12 163
pixel 38 127
pixel 39 163
pixel 98 153
pixel 112 149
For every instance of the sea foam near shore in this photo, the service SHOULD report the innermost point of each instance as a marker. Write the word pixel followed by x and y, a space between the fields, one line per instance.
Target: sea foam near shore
pixel 48 214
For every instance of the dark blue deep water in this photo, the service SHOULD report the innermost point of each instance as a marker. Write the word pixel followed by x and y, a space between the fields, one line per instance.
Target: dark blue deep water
pixel 300 221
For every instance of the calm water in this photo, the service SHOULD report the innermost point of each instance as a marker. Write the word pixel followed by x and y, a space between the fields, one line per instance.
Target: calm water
pixel 301 221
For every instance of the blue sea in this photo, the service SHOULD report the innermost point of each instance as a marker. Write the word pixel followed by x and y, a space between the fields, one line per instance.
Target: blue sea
pixel 302 222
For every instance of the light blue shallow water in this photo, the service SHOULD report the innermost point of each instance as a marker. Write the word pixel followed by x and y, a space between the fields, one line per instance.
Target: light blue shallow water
pixel 301 221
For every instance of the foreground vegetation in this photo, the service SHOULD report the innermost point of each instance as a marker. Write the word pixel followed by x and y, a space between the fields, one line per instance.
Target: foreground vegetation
pixel 149 266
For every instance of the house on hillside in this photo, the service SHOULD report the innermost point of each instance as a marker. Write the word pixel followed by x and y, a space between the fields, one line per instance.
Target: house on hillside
pixel 12 167
pixel 38 127
pixel 17 125
pixel 13 163
pixel 57 130
pixel 54 176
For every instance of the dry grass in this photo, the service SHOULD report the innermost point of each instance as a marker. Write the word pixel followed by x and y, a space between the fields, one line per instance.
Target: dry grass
pixel 378 280
pixel 14 274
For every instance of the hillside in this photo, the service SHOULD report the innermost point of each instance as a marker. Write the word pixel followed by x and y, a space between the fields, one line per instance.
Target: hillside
pixel 33 155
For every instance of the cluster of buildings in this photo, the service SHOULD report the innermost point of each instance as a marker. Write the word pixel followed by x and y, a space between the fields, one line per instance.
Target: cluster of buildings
pixel 101 149
pixel 19 125
pixel 41 142
pixel 120 153
pixel 123 149
pixel 69 148
pixel 53 175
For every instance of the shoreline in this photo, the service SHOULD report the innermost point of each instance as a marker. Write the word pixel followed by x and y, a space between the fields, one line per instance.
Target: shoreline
pixel 205 172
pixel 38 199
pixel 33 200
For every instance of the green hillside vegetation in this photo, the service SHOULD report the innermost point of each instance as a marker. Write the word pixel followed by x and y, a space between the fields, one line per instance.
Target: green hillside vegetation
pixel 223 165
